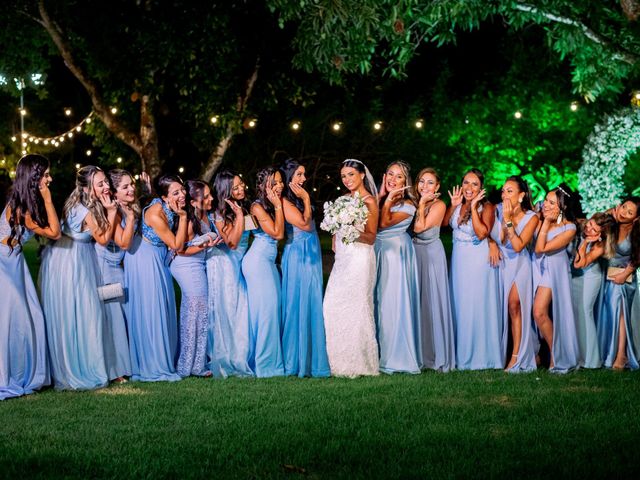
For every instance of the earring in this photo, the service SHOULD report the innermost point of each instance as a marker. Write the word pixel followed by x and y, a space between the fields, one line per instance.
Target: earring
pixel 559 221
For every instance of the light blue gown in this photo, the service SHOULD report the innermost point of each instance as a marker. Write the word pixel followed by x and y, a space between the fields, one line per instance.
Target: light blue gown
pixel 516 269
pixel 151 306
pixel 437 338
pixel 24 364
pixel 477 301
pixel 114 335
pixel 396 297
pixel 303 338
pixel 190 273
pixel 75 316
pixel 228 343
pixel 263 287
pixel 552 270
pixel 618 300
pixel 586 285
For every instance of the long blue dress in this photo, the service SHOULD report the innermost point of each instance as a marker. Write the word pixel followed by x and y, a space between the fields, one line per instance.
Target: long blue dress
pixel 228 343
pixel 477 301
pixel 586 284
pixel 397 297
pixel 263 287
pixel 552 270
pixel 24 364
pixel 437 338
pixel 617 300
pixel 190 273
pixel 516 269
pixel 151 306
pixel 114 335
pixel 303 338
pixel 75 316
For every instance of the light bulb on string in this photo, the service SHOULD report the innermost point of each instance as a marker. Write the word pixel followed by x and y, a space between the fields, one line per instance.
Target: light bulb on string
pixel 119 159
pixel 337 126
pixel 181 170
pixel 295 126
pixel 14 138
pixel 88 153
pixel 518 115
pixel 23 111
pixel 67 112
pixel 77 166
pixel 214 119
pixel 377 126
pixel 419 124
pixel 114 110
pixel 574 106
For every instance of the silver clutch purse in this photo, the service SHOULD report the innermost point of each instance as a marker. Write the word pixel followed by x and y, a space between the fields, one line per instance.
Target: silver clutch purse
pixel 110 291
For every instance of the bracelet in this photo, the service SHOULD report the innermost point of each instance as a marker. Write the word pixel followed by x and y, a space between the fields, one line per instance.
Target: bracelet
pixel 509 224
pixel 277 208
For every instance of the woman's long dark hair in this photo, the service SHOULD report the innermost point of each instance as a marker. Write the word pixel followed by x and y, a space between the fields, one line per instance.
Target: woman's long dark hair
pixel 195 191
pixel 222 191
pixel 115 176
pixel 287 171
pixel 527 203
pixel 162 189
pixel 24 196
pixel 634 235
pixel 262 179
pixel 478 173
pixel 564 198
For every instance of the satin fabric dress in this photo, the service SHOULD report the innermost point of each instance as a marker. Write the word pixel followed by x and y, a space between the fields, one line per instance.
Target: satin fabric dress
pixel 516 270
pixel 114 335
pixel 477 301
pixel 151 305
pixel 397 297
pixel 228 344
pixel 191 274
pixel 552 270
pixel 75 316
pixel 586 287
pixel 349 322
pixel 437 336
pixel 24 366
pixel 618 300
pixel 303 338
pixel 263 286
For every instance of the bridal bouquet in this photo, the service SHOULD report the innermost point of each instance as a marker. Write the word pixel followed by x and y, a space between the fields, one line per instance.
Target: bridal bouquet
pixel 345 217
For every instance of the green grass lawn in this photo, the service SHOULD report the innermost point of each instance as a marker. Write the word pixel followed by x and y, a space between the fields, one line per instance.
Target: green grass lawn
pixel 461 424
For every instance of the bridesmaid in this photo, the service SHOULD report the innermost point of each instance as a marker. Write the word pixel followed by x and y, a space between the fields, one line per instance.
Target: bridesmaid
pixel 188 269
pixel 552 283
pixel 69 279
pixel 303 339
pixel 397 297
pixel 617 328
pixel 228 332
pixel 597 241
pixel 23 347
pixel 263 279
pixel 110 256
pixel 151 307
pixel 475 290
pixel 436 327
pixel 515 225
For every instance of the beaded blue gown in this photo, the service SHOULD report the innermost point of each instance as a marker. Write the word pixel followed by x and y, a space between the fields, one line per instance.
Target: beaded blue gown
pixel 151 306
pixel 228 343
pixel 396 297
pixel 477 301
pixel 303 338
pixel 75 316
pixel 516 269
pixel 617 301
pixel 552 270
pixel 114 335
pixel 437 339
pixel 586 285
pixel 191 274
pixel 264 293
pixel 24 364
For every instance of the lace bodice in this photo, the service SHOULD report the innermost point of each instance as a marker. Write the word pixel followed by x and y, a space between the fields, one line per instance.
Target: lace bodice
pixel 149 233
pixel 463 233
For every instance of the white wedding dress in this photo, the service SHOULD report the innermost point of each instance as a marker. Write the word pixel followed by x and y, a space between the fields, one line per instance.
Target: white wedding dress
pixel 348 311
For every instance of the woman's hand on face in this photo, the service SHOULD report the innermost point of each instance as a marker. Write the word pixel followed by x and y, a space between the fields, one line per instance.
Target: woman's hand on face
pixel 44 190
pixel 507 210
pixel 456 196
pixel 176 208
pixel 237 209
pixel 108 203
pixel 128 211
pixel 428 197
pixel 478 197
pixel 395 195
pixel 383 187
pixel 299 191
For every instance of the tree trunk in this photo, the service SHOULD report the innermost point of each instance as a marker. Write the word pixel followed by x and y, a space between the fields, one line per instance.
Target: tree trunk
pixel 149 154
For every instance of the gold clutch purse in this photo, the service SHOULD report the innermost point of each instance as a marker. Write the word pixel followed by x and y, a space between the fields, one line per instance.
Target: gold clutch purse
pixel 611 271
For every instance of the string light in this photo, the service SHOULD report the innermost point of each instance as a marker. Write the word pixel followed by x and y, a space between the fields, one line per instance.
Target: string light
pixel 89 152
pixel 54 140
pixel 23 111
pixel 214 119
pixel 518 115
pixel 136 176
pixel 252 123
pixel 181 170
pixel 419 124
pixel 14 138
pixel 77 166
pixel 67 112
pixel 295 126
pixel 336 126
pixel 114 110
pixel 574 106
pixel 377 126
pixel 119 159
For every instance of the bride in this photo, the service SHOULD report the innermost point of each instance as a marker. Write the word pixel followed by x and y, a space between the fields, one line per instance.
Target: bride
pixel 348 300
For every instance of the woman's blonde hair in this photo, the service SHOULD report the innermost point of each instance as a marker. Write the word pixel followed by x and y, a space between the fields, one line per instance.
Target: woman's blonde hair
pixel 84 180
pixel 406 171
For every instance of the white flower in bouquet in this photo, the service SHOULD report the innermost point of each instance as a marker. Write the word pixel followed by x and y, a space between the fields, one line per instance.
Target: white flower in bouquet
pixel 345 217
